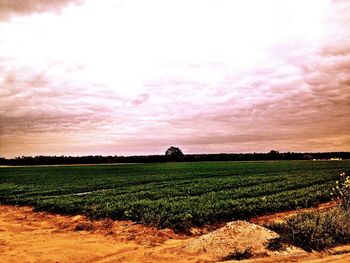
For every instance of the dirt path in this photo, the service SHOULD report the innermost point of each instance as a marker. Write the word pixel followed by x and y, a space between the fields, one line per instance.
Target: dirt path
pixel 27 236
pixel 261 220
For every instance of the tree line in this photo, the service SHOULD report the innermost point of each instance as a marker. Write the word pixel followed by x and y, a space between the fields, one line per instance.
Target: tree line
pixel 99 159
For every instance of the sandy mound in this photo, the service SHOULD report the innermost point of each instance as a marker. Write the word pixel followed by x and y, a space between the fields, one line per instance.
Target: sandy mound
pixel 234 236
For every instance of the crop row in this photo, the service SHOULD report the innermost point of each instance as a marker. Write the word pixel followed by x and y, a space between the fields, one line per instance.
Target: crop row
pixel 176 195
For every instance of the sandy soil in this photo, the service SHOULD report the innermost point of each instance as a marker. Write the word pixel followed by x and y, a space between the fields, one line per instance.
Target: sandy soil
pixel 27 236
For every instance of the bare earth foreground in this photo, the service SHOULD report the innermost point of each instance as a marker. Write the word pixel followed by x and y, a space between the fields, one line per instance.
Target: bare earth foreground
pixel 27 236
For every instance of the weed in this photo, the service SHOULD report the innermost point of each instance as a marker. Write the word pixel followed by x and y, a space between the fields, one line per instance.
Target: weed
pixel 320 230
pixel 275 244
pixel 239 254
pixel 341 191
pixel 84 226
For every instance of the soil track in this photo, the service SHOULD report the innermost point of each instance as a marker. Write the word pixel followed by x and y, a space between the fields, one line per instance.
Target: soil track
pixel 262 220
pixel 27 236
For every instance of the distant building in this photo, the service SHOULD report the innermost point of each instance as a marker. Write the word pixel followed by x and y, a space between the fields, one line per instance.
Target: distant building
pixel 336 159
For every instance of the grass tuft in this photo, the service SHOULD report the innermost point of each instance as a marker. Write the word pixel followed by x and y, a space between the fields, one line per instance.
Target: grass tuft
pixel 239 254
pixel 320 230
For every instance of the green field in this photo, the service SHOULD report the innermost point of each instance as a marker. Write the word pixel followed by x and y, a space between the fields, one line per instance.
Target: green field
pixel 176 195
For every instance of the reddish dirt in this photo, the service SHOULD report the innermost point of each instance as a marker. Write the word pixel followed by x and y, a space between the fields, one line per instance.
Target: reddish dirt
pixel 27 236
pixel 263 220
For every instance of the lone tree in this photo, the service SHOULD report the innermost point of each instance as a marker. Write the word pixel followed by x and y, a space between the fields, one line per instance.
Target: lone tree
pixel 174 152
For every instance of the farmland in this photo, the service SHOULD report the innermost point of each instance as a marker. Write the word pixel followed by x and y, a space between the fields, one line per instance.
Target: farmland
pixel 175 195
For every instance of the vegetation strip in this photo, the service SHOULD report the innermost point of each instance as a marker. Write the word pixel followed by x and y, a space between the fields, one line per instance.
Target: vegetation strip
pixel 175 195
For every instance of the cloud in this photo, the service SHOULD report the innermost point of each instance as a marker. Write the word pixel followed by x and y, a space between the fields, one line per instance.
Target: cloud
pixel 138 88
pixel 298 101
pixel 10 8
pixel 33 104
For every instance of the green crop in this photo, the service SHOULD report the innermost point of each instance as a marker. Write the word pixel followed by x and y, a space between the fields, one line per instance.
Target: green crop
pixel 176 195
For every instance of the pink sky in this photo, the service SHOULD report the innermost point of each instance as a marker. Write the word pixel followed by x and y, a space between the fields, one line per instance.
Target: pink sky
pixel 125 77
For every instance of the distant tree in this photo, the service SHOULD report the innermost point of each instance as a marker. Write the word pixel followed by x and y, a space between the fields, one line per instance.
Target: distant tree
pixel 174 152
pixel 273 152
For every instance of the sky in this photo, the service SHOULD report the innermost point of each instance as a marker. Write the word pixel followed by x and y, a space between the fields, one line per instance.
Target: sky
pixel 133 77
